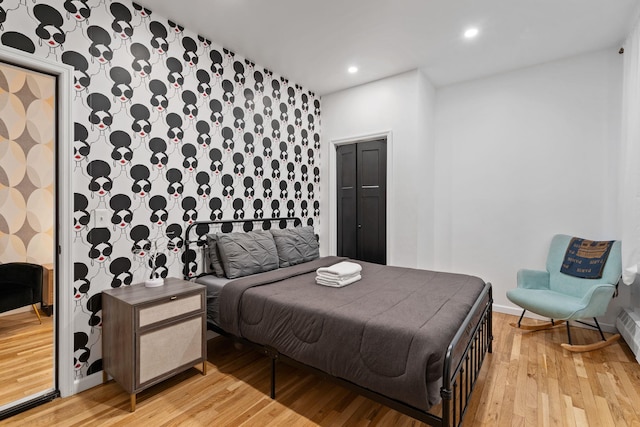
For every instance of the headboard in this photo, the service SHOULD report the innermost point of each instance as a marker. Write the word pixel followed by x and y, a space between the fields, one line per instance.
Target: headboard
pixel 195 238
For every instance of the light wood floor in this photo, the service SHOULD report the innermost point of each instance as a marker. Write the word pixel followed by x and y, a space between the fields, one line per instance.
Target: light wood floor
pixel 528 380
pixel 26 355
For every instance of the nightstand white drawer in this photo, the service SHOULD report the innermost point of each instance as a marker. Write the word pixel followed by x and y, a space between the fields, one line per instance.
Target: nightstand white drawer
pixel 167 310
pixel 169 348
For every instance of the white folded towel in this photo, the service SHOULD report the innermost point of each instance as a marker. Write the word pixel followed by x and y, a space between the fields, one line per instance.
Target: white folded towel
pixel 330 278
pixel 340 270
pixel 337 283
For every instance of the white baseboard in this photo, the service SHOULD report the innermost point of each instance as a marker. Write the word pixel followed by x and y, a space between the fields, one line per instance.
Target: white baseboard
pixel 516 311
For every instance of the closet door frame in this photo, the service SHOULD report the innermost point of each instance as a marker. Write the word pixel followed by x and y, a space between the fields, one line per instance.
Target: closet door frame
pixel 63 310
pixel 333 193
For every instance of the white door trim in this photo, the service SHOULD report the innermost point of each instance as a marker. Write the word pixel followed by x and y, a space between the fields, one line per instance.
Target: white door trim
pixel 333 193
pixel 63 322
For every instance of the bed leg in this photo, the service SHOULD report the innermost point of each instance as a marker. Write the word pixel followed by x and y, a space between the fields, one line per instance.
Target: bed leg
pixel 447 396
pixel 490 322
pixel 273 377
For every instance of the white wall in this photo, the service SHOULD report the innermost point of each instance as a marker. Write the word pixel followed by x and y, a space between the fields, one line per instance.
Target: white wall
pixel 425 187
pixel 506 162
pixel 403 106
pixel 521 156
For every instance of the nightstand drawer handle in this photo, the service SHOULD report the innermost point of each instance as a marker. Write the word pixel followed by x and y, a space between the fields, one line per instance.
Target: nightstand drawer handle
pixel 173 297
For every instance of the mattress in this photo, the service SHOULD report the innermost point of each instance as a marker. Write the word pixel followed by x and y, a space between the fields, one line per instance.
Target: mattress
pixel 214 285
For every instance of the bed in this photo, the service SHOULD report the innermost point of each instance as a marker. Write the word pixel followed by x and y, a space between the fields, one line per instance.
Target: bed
pixel 407 338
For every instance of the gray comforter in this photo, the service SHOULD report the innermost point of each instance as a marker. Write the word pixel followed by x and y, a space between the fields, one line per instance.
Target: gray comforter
pixel 387 332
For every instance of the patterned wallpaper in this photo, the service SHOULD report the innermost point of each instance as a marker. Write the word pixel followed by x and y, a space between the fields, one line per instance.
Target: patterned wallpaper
pixel 169 128
pixel 27 132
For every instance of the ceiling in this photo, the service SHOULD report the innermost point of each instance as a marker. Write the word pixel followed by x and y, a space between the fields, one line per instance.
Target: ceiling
pixel 314 42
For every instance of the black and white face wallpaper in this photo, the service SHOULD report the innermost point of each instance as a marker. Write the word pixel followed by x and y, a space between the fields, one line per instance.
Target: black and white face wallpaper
pixel 169 128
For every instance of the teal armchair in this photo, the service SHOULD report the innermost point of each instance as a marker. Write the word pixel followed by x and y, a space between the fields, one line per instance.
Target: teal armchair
pixel 563 298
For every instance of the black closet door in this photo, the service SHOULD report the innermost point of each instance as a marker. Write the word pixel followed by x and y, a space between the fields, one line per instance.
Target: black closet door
pixel 347 202
pixel 362 201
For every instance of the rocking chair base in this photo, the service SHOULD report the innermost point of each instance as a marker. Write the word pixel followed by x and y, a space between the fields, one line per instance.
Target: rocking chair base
pixel 539 326
pixel 590 347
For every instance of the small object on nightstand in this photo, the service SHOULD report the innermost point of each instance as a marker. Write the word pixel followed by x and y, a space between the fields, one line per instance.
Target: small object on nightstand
pixel 154 283
pixel 141 327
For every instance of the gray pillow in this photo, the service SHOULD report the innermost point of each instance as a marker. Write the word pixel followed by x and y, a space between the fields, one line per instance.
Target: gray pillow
pixel 214 255
pixel 296 245
pixel 243 254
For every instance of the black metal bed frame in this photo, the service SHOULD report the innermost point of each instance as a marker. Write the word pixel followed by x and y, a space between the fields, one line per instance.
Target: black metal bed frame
pixel 227 226
pixel 463 357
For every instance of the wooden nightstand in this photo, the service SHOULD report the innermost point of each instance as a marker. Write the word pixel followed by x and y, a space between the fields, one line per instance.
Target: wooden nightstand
pixel 151 334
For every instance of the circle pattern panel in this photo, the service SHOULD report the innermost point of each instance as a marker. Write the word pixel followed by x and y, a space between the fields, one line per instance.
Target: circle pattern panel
pixel 12 79
pixel 41 86
pixel 40 201
pixel 12 115
pixel 13 163
pixel 40 249
pixel 12 249
pixel 40 130
pixel 40 161
pixel 27 130
pixel 12 209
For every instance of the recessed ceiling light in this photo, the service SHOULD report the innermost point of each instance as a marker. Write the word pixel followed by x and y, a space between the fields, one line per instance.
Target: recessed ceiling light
pixel 353 69
pixel 471 33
